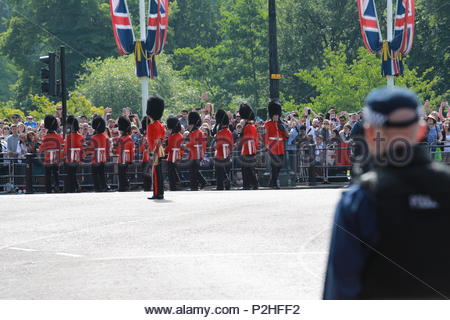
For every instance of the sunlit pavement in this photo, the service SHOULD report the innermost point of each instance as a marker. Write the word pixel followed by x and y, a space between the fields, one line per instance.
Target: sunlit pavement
pixel 194 245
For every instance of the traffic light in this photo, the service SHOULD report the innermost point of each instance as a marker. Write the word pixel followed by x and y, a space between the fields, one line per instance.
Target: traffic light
pixel 48 74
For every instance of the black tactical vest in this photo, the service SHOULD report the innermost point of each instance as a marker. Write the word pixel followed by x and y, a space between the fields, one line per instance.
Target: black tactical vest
pixel 412 260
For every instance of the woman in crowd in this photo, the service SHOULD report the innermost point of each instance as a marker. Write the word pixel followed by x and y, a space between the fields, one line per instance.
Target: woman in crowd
pixel 446 139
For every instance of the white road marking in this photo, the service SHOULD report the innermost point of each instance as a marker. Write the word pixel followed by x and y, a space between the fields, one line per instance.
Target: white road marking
pixel 68 255
pixel 22 249
pixel 208 255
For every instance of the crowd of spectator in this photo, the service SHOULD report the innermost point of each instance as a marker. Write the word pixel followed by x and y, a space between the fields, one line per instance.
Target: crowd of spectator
pixel 325 131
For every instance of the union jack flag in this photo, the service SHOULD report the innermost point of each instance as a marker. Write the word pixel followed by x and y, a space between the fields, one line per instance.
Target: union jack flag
pixel 158 23
pixel 370 28
pixel 123 30
pixel 404 27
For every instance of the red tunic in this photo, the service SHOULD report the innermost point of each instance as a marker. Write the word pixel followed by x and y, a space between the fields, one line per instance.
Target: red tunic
pixel 73 147
pixel 99 146
pixel 274 138
pixel 155 135
pixel 125 150
pixel 249 140
pixel 224 144
pixel 173 148
pixel 196 145
pixel 52 145
pixel 143 148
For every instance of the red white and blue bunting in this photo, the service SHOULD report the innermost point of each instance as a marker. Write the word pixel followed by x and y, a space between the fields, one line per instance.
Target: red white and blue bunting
pixel 144 52
pixel 403 34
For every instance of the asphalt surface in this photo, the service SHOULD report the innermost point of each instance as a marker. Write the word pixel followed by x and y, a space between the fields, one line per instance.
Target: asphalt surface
pixel 194 245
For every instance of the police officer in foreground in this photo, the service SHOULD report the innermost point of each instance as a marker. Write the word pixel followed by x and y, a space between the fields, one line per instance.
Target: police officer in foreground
pixel 390 235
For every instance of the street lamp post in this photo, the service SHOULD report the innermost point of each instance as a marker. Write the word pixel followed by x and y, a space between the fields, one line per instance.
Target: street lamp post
pixel 273 53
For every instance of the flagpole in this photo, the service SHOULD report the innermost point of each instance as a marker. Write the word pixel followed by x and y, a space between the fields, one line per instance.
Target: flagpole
pixel 144 80
pixel 390 79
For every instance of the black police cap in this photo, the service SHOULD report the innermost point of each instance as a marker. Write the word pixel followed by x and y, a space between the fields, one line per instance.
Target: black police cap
pixel 380 103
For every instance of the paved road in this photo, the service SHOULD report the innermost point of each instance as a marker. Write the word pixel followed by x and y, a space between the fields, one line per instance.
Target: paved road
pixel 194 245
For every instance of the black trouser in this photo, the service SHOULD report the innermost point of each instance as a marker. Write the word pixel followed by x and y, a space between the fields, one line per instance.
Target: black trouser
pixel 174 178
pixel 196 176
pixel 223 173
pixel 147 172
pixel 124 183
pixel 71 182
pixel 249 179
pixel 51 170
pixel 276 163
pixel 98 176
pixel 158 180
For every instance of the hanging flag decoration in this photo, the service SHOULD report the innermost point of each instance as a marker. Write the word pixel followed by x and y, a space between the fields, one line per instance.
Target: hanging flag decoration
pixel 370 27
pixel 121 23
pixel 404 27
pixel 144 51
pixel 392 52
pixel 158 23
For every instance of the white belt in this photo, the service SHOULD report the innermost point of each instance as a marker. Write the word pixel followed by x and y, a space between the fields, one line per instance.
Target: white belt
pixel 101 156
pixel 225 148
pixel 73 152
pixel 52 153
pixel 276 138
pixel 199 148
pixel 250 144
pixel 174 154
pixel 125 156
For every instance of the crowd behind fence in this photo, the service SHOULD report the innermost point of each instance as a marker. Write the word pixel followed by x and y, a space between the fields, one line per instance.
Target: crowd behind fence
pixel 304 165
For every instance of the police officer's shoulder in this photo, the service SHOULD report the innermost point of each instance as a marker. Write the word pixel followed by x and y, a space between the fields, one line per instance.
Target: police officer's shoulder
pixel 353 198
pixel 441 171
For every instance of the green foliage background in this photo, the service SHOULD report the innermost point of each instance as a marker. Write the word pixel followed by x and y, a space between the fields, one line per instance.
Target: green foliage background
pixel 219 47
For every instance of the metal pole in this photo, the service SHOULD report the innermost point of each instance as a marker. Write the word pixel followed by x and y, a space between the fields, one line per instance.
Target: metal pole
pixel 273 53
pixel 390 79
pixel 144 80
pixel 62 60
pixel 29 173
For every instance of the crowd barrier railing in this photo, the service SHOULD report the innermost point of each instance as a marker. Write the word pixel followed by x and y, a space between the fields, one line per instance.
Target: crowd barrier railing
pixel 304 165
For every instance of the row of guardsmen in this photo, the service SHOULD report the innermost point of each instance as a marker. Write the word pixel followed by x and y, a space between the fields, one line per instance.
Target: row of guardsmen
pixel 155 147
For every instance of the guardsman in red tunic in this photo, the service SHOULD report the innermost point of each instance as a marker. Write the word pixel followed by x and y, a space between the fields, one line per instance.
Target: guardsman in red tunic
pixel 197 149
pixel 155 137
pixel 51 146
pixel 125 152
pixel 99 148
pixel 224 148
pixel 73 148
pixel 275 135
pixel 249 148
pixel 174 151
pixel 146 163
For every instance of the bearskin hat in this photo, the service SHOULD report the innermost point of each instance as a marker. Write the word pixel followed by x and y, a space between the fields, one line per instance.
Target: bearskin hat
pixel 246 112
pixel 124 124
pixel 174 124
pixel 219 116
pixel 50 123
pixel 144 124
pixel 72 124
pixel 274 108
pixel 225 121
pixel 99 124
pixel 194 119
pixel 155 107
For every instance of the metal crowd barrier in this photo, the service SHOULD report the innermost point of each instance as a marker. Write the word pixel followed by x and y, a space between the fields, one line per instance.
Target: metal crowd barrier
pixel 301 166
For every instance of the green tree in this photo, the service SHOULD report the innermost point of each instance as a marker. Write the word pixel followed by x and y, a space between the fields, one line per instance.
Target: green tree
pixel 193 23
pixel 38 26
pixel 238 66
pixel 344 86
pixel 112 83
